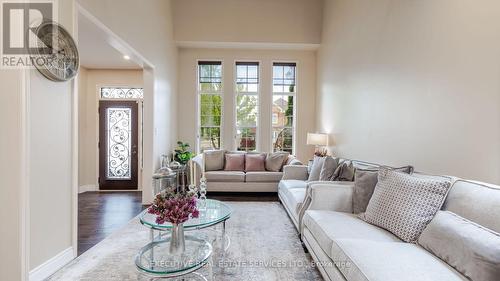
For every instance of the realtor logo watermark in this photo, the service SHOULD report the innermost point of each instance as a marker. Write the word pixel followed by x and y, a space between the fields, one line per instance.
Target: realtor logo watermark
pixel 18 38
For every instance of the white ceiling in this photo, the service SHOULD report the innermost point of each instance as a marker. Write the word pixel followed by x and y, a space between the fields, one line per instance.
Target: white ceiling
pixel 95 49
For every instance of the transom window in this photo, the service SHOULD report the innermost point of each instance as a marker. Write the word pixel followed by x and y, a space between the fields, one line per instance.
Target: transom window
pixel 121 93
pixel 210 105
pixel 283 108
pixel 247 105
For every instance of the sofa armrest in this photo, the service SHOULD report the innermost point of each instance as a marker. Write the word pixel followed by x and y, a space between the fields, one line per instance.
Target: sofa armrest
pixel 295 172
pixel 332 196
pixel 198 159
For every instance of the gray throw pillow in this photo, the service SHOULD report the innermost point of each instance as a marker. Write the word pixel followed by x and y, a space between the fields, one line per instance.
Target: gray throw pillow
pixel 275 161
pixel 364 185
pixel 471 249
pixel 365 181
pixel 344 172
pixel 329 166
pixel 316 168
pixel 214 160
pixel 404 204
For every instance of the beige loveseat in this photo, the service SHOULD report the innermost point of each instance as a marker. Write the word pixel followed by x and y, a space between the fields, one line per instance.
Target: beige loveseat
pixel 345 247
pixel 241 181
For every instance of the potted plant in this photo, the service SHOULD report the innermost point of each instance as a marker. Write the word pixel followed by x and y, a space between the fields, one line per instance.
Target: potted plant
pixel 175 208
pixel 182 153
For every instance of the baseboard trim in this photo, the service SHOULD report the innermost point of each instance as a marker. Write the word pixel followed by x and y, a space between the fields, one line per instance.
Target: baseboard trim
pixel 49 267
pixel 87 187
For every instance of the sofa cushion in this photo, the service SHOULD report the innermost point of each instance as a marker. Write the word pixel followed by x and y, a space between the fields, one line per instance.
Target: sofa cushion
pixel 287 184
pixel 263 176
pixel 329 166
pixel 295 198
pixel 225 176
pixel 327 226
pixel 389 261
pixel 405 204
pixel 316 166
pixel 255 162
pixel 485 198
pixel 235 162
pixel 276 160
pixel 468 247
pixel 214 160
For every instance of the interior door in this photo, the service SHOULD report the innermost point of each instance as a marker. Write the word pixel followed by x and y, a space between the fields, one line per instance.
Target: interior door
pixel 118 143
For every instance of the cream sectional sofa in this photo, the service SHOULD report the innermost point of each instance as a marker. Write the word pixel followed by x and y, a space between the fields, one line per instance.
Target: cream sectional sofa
pixel 345 247
pixel 239 181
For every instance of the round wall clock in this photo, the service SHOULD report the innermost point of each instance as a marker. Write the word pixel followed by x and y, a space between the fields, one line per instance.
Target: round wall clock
pixel 55 55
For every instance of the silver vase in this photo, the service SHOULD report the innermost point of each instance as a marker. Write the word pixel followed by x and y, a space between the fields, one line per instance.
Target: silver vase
pixel 177 243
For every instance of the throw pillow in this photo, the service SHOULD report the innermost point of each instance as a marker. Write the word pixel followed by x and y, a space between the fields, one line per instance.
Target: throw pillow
pixel 404 204
pixel 214 160
pixel 275 161
pixel 316 168
pixel 365 181
pixel 470 248
pixel 235 162
pixel 255 162
pixel 344 172
pixel 364 185
pixel 329 166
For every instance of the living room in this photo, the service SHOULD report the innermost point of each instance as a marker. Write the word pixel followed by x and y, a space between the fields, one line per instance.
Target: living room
pixel 327 140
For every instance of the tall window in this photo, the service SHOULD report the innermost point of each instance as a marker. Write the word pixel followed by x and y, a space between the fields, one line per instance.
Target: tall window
pixel 210 104
pixel 283 108
pixel 247 105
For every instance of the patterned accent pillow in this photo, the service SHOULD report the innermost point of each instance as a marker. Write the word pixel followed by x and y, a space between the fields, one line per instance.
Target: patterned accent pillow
pixel 404 204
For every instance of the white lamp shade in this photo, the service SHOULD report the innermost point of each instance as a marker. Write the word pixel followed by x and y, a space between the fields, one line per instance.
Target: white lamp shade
pixel 317 139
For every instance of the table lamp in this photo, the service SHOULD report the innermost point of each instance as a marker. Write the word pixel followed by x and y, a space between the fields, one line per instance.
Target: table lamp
pixel 319 140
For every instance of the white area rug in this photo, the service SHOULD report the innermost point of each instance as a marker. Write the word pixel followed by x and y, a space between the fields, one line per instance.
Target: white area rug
pixel 264 246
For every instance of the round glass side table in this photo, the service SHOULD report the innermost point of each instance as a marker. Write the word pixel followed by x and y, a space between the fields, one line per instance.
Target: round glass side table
pixel 154 258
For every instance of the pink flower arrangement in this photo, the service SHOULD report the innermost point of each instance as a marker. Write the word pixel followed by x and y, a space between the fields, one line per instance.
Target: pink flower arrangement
pixel 174 208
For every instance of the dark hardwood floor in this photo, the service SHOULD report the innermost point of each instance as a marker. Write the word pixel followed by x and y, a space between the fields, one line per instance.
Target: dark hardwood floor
pixel 243 196
pixel 101 213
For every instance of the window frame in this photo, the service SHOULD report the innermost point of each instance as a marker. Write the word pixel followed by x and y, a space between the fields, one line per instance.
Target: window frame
pixel 295 102
pixel 198 107
pixel 234 101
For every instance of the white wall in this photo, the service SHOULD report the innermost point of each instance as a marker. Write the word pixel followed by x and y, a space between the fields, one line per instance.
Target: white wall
pixel 306 88
pixel 147 26
pixel 413 82
pixel 51 160
pixel 90 82
pixel 11 173
pixel 270 21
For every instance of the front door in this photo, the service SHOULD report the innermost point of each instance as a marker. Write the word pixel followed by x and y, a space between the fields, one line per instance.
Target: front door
pixel 118 142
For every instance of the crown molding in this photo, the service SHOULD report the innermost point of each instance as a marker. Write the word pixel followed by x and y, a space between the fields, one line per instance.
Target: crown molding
pixel 247 45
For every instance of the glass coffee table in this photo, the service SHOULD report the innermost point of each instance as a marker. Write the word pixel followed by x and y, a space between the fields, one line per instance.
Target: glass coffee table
pixel 154 258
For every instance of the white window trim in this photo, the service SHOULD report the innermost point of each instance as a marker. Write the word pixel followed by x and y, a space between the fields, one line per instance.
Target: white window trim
pixel 259 112
pixel 295 103
pixel 198 109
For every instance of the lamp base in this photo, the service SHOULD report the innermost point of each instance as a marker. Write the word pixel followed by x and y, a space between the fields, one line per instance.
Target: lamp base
pixel 321 152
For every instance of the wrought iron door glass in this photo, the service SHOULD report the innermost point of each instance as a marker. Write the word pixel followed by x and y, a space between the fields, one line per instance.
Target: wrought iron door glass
pixel 119 129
